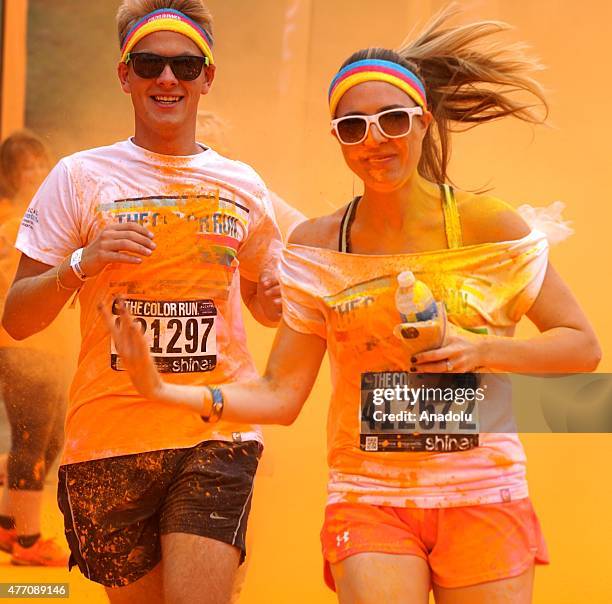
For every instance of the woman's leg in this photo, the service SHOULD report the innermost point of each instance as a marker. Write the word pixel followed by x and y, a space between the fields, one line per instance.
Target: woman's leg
pixel 486 553
pixel 3 479
pixel 30 391
pixel 24 504
pixel 56 435
pixel 372 578
pixel 515 590
pixel 3 462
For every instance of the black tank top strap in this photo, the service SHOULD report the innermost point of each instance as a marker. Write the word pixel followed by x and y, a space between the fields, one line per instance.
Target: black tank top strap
pixel 344 240
pixel 452 223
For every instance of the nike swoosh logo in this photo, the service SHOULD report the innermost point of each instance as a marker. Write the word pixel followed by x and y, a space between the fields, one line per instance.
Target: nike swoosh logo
pixel 215 516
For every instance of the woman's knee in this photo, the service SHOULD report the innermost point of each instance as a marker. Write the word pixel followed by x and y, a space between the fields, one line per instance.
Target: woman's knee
pixel 370 578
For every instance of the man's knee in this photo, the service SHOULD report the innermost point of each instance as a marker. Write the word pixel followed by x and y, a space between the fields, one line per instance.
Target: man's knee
pixel 146 590
pixel 195 565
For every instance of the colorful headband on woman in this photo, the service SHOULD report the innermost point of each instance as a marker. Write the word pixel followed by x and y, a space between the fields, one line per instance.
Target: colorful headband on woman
pixel 370 70
pixel 168 19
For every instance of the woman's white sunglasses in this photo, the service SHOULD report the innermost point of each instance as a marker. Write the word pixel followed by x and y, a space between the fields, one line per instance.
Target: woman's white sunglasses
pixel 392 123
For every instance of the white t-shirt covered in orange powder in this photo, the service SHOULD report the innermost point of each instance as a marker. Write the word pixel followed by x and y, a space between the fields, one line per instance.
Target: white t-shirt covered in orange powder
pixel 211 216
pixel 402 460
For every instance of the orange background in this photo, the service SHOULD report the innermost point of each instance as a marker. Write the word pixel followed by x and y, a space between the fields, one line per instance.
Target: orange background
pixel 275 60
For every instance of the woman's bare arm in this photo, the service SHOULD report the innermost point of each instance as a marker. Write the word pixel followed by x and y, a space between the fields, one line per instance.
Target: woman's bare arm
pixel 275 398
pixel 567 342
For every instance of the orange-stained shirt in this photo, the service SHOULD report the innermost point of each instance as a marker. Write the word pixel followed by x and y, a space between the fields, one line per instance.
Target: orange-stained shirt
pixel 348 299
pixel 287 217
pixel 210 216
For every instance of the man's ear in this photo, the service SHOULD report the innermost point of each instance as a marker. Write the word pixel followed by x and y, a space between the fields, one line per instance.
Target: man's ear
pixel 209 76
pixel 123 73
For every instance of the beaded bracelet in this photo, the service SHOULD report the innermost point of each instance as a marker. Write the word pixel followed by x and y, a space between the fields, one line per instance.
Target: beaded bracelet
pixel 216 408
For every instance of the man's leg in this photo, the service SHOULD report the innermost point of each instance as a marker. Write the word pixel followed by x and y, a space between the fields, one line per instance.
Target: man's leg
pixel 239 579
pixel 203 521
pixel 147 590
pixel 198 569
pixel 111 519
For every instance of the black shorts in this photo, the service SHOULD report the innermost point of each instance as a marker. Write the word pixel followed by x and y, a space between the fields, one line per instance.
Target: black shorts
pixel 115 509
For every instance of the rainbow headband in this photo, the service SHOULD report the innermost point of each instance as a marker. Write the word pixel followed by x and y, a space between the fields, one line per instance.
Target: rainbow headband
pixel 370 70
pixel 168 19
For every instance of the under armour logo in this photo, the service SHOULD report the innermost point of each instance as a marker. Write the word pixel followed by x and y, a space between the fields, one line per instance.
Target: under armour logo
pixel 342 538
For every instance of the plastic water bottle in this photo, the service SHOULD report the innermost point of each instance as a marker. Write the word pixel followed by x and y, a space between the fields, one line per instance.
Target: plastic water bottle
pixel 414 300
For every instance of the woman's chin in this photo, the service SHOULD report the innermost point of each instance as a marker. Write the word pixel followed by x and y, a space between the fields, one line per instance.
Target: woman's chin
pixel 383 185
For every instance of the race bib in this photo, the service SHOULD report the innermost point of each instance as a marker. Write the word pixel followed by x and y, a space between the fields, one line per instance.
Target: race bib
pixel 435 413
pixel 181 334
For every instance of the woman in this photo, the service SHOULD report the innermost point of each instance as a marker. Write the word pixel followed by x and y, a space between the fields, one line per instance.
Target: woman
pixel 450 511
pixel 31 381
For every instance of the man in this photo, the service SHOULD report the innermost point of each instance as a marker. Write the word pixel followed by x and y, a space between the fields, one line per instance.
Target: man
pixel 155 501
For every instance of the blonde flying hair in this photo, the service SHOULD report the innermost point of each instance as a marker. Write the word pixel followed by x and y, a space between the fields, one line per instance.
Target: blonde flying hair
pixel 131 11
pixel 469 79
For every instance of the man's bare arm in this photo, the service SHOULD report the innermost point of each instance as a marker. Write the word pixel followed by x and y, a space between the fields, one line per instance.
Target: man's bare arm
pixel 40 291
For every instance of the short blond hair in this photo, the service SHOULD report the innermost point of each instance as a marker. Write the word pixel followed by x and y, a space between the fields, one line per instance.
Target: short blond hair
pixel 130 11
pixel 13 150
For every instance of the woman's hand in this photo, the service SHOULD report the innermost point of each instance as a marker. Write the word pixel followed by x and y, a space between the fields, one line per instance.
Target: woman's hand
pixel 134 351
pixel 461 352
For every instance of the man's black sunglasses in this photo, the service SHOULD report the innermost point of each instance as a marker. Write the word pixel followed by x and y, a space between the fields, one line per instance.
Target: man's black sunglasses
pixel 148 65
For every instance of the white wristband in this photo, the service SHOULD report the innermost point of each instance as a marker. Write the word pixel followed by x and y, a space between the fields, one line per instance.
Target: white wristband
pixel 75 264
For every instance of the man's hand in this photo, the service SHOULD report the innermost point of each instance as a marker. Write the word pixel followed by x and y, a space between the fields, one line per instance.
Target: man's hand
pixel 263 298
pixel 133 350
pixel 125 243
pixel 269 293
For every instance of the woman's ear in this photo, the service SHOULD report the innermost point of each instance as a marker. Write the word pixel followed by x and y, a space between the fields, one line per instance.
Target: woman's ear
pixel 425 119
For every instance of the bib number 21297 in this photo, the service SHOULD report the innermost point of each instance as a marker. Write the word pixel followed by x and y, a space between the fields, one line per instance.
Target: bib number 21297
pixel 181 334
